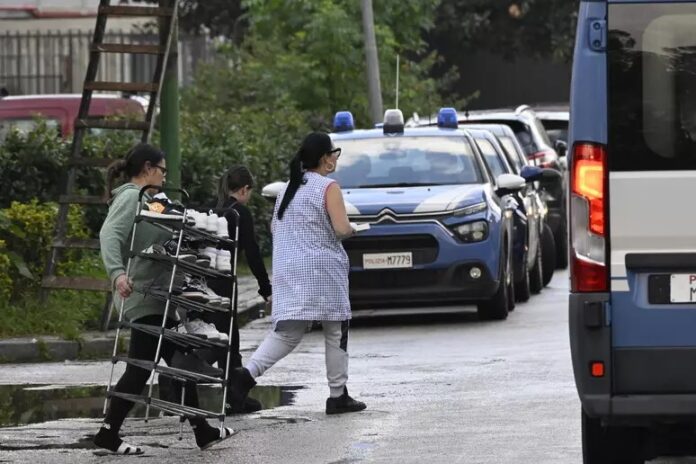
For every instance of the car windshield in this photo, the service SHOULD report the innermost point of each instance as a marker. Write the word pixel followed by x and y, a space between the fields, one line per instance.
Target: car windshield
pixel 405 162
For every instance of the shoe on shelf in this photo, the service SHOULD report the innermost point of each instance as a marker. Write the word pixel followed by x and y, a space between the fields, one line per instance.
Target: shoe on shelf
pixel 185 253
pixel 343 404
pixel 222 230
pixel 212 253
pixel 161 207
pixel 157 249
pixel 194 293
pixel 211 297
pixel 192 363
pixel 212 225
pixel 201 220
pixel 224 261
pixel 204 329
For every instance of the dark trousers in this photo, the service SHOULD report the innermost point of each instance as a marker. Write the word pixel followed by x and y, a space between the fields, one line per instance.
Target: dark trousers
pixel 134 379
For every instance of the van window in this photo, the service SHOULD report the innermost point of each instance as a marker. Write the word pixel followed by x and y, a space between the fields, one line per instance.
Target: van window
pixel 652 87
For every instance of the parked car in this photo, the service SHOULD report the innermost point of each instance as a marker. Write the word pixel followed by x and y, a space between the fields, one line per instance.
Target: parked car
pixel 531 197
pixel 441 230
pixel 60 110
pixel 555 119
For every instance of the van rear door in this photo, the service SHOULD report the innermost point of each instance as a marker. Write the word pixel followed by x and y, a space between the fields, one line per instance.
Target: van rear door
pixel 651 159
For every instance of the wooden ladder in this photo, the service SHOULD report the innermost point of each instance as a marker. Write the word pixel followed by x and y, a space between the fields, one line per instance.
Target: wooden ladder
pixel 167 18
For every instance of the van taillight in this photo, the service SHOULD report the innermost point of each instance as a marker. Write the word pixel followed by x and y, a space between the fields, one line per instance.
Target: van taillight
pixel 588 231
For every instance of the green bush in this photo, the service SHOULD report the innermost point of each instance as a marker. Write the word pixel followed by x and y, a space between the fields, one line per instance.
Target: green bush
pixel 214 140
pixel 27 230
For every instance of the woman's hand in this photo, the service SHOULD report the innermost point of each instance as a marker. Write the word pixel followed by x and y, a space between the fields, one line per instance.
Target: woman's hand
pixel 124 286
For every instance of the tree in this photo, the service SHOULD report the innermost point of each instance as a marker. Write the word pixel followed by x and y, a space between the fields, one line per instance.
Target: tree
pixel 308 56
pixel 543 29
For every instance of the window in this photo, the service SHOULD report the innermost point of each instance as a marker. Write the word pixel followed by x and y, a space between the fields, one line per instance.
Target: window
pixel 392 161
pixel 652 87
pixel 492 157
pixel 514 157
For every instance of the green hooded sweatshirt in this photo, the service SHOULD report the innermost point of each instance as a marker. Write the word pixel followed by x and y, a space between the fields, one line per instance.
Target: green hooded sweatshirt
pixel 115 239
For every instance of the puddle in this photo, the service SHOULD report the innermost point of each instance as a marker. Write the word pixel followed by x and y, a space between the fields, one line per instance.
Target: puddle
pixel 29 404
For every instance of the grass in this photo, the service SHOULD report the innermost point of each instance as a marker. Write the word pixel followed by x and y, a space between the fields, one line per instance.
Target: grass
pixel 65 313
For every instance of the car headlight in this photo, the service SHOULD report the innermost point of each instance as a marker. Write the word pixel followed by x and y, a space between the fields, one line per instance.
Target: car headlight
pixel 472 209
pixel 472 231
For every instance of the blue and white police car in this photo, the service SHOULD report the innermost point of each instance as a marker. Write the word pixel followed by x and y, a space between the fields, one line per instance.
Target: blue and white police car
pixel 441 231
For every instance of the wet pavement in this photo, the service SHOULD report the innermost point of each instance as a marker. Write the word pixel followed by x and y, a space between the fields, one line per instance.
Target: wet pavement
pixel 439 389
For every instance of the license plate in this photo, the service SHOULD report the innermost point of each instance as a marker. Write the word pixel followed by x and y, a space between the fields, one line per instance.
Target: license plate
pixel 682 288
pixel 388 260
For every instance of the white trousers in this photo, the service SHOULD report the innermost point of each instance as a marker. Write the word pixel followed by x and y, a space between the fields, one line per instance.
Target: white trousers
pixel 288 334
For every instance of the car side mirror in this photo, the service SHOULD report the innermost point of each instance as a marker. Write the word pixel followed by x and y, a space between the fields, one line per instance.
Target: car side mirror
pixel 271 191
pixel 534 174
pixel 561 147
pixel 509 183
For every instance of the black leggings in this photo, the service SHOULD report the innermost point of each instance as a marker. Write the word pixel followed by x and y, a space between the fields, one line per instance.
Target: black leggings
pixel 134 379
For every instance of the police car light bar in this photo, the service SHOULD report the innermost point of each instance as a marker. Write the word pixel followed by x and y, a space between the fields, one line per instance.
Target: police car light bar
pixel 447 118
pixel 343 122
pixel 393 122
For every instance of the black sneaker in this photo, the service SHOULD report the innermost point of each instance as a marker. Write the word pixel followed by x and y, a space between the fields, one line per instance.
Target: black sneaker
pixel 192 363
pixel 250 405
pixel 240 384
pixel 343 404
pixel 161 207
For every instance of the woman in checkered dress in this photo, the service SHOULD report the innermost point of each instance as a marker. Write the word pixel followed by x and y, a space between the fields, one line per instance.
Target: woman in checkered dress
pixel 310 272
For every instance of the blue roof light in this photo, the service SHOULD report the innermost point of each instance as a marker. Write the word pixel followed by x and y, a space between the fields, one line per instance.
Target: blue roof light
pixel 343 122
pixel 447 118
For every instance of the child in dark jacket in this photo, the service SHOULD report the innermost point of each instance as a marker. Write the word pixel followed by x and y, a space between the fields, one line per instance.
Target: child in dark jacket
pixel 234 192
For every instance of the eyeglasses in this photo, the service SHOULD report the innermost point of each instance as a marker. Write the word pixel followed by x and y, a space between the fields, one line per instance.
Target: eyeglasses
pixel 335 151
pixel 161 168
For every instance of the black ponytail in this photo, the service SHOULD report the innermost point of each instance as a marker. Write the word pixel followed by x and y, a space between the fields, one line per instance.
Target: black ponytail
pixel 132 165
pixel 293 185
pixel 313 148
pixel 232 180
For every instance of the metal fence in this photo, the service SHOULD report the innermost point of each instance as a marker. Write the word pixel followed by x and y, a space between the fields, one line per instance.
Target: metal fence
pixel 56 61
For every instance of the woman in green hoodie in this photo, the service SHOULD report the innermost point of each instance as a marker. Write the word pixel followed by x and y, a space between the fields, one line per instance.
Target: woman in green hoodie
pixel 144 165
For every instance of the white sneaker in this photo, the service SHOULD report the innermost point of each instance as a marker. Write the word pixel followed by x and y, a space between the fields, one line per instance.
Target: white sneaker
pixel 201 220
pixel 222 231
pixel 204 329
pixel 224 261
pixel 213 253
pixel 212 226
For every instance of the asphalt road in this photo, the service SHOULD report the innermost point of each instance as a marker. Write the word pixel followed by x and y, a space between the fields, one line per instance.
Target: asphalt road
pixel 439 389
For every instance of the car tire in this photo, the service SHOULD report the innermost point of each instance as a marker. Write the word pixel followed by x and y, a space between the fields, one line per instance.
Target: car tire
pixel 522 287
pixel 561 239
pixel 548 254
pixel 603 444
pixel 498 307
pixel 536 275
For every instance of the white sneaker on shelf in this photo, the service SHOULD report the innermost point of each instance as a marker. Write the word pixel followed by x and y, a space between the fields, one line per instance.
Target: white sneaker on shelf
pixel 204 329
pixel 213 253
pixel 212 297
pixel 212 223
pixel 201 221
pixel 224 261
pixel 222 231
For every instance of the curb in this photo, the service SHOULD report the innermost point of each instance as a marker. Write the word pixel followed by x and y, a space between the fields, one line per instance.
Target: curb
pixel 96 345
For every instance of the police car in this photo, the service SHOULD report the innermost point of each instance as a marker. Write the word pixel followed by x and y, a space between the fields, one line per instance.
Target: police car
pixel 441 230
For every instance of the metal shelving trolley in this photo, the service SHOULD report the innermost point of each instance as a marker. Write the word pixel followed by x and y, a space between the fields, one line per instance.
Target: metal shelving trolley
pixel 182 229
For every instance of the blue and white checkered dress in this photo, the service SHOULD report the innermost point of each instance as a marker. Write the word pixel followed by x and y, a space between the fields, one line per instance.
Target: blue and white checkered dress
pixel 310 266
